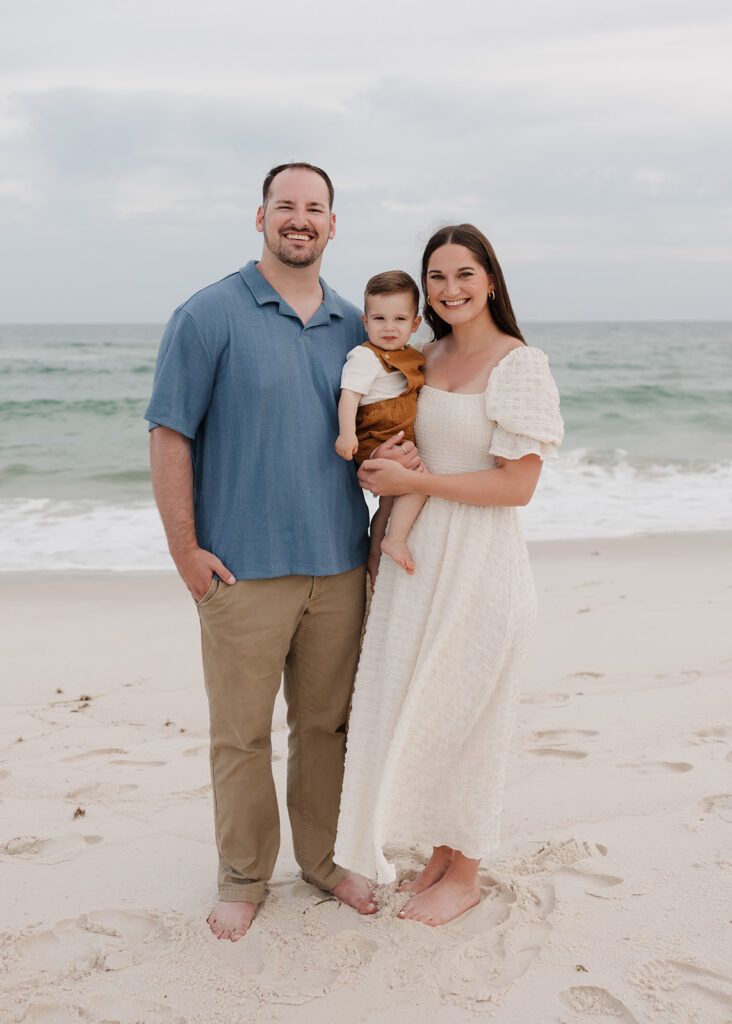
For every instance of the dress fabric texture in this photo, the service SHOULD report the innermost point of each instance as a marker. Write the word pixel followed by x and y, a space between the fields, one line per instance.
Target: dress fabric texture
pixel 437 685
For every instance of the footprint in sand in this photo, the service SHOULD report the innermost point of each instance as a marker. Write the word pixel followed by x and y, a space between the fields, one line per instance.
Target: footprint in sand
pixel 705 994
pixel 598 1003
pixel 554 743
pixel 85 944
pixel 713 734
pixel 589 882
pixel 102 791
pixel 495 954
pixel 657 767
pixel 562 755
pixel 141 764
pixel 49 851
pixel 191 794
pixel 562 734
pixel 494 943
pixel 720 804
pixel 554 699
pixel 90 755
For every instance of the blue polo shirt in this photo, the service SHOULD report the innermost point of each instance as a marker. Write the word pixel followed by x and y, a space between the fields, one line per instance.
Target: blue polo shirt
pixel 257 392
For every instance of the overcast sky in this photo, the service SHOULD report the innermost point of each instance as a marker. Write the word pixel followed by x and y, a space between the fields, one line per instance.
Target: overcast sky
pixel 590 141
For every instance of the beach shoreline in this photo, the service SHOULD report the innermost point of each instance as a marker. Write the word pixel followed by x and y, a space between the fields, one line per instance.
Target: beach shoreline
pixel 603 902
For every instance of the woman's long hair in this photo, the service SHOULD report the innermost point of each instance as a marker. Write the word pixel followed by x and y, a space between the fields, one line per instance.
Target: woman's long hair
pixel 500 308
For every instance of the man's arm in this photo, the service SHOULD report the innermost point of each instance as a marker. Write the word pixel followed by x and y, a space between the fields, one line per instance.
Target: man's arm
pixel 172 479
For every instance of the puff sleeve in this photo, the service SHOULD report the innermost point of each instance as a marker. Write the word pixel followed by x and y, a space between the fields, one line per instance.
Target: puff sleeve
pixel 523 401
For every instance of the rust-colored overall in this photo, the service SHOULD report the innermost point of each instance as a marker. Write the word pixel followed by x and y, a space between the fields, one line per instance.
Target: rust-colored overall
pixel 379 421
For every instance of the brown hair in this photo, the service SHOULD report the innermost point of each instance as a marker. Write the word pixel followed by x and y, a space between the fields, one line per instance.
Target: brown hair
pixel 301 166
pixel 392 282
pixel 501 309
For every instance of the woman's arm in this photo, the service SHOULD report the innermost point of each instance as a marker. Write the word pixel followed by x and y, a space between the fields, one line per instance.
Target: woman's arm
pixel 512 482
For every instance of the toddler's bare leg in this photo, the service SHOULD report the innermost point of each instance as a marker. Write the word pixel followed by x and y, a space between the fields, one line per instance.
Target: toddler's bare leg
pixel 405 511
pixel 378 529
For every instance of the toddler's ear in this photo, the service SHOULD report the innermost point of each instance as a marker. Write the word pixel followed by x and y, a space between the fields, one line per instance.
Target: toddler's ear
pixel 417 322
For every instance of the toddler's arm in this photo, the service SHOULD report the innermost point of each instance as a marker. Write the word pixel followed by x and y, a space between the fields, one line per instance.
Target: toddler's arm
pixel 347 443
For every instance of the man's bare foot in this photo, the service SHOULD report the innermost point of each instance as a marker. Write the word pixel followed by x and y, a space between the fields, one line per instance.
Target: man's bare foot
pixel 438 864
pixel 355 890
pixel 399 551
pixel 231 920
pixel 443 902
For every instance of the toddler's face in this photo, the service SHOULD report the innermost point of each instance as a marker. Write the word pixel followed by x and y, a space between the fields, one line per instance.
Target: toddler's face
pixel 391 320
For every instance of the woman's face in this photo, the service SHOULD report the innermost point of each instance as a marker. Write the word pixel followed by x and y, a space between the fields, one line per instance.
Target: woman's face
pixel 457 284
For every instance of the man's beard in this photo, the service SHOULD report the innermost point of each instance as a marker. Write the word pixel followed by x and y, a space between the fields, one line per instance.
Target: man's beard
pixel 279 247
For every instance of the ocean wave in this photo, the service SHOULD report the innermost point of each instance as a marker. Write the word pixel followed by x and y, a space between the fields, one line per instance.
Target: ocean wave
pixel 44 407
pixel 612 494
pixel 585 494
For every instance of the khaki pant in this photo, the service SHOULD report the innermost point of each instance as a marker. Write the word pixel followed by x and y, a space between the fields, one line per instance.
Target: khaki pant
pixel 250 631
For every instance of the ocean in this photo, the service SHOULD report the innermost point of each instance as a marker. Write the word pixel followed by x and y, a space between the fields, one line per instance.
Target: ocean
pixel 648 444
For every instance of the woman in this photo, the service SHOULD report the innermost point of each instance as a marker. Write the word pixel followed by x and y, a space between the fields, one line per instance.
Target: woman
pixel 437 685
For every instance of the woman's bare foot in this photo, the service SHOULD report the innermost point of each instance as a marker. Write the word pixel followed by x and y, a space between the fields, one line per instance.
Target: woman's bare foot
pixel 443 902
pixel 231 920
pixel 399 551
pixel 456 892
pixel 437 865
pixel 355 890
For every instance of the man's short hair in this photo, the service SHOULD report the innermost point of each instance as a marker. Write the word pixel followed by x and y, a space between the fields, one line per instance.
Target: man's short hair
pixel 296 165
pixel 392 282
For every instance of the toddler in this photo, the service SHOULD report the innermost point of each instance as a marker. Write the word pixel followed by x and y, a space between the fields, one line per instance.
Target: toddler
pixel 379 388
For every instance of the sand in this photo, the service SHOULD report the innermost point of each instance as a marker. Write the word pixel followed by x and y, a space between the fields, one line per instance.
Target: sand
pixel 607 902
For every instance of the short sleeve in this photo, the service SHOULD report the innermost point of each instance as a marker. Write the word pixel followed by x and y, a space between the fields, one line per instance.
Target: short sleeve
pixel 184 377
pixel 360 371
pixel 523 400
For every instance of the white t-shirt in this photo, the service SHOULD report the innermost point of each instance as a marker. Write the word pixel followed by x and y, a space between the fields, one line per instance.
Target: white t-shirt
pixel 365 374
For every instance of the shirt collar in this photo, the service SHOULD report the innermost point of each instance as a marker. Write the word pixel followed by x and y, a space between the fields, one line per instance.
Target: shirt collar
pixel 264 293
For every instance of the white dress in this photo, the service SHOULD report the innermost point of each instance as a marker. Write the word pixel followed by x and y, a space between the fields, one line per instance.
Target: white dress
pixel 437 684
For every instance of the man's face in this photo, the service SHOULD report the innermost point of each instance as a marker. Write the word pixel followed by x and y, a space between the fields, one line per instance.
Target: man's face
pixel 296 220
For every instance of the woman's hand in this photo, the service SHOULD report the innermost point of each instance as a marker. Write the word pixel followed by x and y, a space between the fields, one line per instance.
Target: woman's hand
pixel 386 476
pixel 404 452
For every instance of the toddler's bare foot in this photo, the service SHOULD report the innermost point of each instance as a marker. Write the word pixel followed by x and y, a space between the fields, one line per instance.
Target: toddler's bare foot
pixel 399 551
pixel 438 864
pixel 231 920
pixel 443 902
pixel 355 890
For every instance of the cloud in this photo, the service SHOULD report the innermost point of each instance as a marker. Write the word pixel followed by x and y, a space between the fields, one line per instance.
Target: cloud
pixel 577 136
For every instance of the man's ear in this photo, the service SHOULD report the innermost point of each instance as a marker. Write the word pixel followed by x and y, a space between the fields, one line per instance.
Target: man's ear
pixel 259 220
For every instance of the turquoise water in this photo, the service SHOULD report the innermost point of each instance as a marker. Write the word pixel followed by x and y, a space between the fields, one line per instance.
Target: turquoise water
pixel 648 448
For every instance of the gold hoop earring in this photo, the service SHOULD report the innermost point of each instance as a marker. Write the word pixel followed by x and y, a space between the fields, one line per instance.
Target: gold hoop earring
pixel 492 295
pixel 427 300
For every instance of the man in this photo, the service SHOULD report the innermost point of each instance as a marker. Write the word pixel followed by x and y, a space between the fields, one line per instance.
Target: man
pixel 268 529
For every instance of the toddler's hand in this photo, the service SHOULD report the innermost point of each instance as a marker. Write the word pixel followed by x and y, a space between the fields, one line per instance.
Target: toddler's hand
pixel 346 445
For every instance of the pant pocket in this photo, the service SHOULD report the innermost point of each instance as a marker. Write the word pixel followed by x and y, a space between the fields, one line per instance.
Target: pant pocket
pixel 209 593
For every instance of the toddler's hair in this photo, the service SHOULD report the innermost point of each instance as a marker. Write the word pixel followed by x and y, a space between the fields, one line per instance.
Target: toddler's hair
pixel 392 282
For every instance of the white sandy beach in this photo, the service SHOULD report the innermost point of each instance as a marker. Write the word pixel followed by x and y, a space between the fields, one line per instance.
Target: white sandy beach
pixel 607 902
